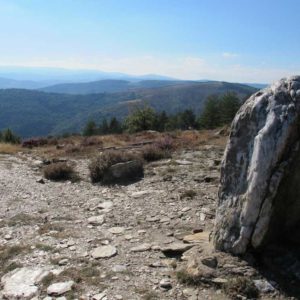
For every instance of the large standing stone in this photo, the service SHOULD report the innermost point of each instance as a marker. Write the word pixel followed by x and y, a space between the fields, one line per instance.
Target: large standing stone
pixel 259 196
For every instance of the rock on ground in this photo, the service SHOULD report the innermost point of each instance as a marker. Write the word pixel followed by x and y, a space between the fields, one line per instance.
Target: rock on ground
pixel 22 283
pixel 60 288
pixel 259 193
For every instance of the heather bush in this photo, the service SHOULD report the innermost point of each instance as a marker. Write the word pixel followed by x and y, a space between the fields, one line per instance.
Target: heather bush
pixel 154 152
pixel 101 164
pixel 92 141
pixel 60 171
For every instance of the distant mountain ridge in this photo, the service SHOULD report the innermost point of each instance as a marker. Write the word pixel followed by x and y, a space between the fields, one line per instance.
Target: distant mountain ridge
pixel 37 113
pixel 42 77
pixel 108 86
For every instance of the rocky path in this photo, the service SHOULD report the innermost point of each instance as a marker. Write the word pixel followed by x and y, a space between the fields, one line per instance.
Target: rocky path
pixel 105 242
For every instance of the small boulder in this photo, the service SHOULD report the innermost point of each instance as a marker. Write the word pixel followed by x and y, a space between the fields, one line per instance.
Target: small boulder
pixel 22 283
pixel 124 172
pixel 59 288
pixel 104 252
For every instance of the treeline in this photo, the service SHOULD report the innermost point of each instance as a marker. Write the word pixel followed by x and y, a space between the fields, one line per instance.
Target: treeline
pixel 7 136
pixel 217 111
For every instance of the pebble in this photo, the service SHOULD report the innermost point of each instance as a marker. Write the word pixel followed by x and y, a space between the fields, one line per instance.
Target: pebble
pixel 8 237
pixel 165 283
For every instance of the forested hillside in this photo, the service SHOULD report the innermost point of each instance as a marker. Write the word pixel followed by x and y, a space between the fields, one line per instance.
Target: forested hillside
pixel 36 113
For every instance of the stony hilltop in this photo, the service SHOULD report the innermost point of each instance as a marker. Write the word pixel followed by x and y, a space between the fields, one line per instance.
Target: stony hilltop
pixel 146 240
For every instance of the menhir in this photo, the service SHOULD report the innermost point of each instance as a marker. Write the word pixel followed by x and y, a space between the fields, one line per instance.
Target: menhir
pixel 259 196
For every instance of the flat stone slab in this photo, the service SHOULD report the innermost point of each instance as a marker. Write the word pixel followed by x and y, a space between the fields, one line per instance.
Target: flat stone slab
pixel 96 220
pixel 21 283
pixel 104 252
pixel 176 248
pixel 60 288
pixel 200 237
pixel 116 230
pixel 141 248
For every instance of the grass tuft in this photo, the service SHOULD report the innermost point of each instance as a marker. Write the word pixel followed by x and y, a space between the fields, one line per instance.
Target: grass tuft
pixel 241 286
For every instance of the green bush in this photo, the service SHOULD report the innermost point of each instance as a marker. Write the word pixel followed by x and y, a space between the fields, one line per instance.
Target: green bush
pixel 141 119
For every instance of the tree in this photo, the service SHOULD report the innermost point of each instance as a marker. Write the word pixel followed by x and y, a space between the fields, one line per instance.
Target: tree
pixel 229 105
pixel 114 126
pixel 210 117
pixel 141 119
pixel 7 136
pixel 103 127
pixel 90 128
pixel 187 119
pixel 161 121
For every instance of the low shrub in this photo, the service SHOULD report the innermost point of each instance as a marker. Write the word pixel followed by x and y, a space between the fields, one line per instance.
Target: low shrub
pixel 186 278
pixel 72 149
pixel 92 141
pixel 241 286
pixel 60 171
pixel 34 142
pixel 100 165
pixel 153 153
pixel 166 143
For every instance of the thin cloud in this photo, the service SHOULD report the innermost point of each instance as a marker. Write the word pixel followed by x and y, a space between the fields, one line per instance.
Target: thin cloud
pixel 229 55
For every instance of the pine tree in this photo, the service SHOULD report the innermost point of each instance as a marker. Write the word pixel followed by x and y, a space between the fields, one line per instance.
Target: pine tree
pixel 8 136
pixel 210 117
pixel 90 128
pixel 229 105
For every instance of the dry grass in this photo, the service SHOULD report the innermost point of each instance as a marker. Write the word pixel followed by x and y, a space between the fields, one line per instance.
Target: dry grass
pixel 9 148
pixel 46 228
pixel 78 146
pixel 23 219
pixel 88 275
pixel 7 254
pixel 185 278
pixel 241 286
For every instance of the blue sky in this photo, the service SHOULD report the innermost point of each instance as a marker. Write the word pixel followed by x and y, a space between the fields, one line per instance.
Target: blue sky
pixel 232 40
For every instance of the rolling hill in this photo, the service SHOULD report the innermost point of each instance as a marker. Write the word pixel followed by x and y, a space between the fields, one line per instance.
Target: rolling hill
pixel 108 86
pixel 37 113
